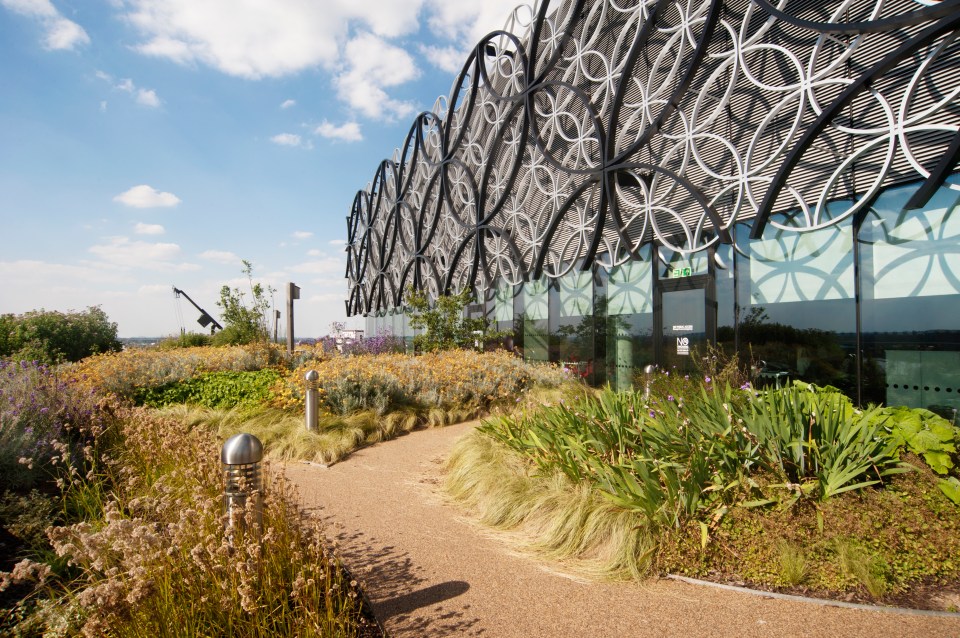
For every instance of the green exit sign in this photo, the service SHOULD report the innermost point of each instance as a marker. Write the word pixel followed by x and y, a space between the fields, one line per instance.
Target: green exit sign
pixel 680 272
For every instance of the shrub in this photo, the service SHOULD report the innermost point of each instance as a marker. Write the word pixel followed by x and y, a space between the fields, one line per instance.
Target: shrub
pixel 444 324
pixel 185 340
pixel 243 321
pixel 384 343
pixel 52 337
pixel 693 457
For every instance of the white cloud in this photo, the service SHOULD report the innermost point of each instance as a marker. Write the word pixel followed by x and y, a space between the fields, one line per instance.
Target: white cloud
pixel 449 58
pixel 103 106
pixel 148 97
pixel 302 234
pixel 355 41
pixel 313 252
pixel 144 97
pixel 466 22
pixel 338 242
pixel 121 251
pixel 348 132
pixel 144 196
pixel 149 229
pixel 373 64
pixel 290 139
pixel 220 256
pixel 325 266
pixel 60 34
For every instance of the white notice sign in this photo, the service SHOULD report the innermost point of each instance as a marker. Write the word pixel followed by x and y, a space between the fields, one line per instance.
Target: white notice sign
pixel 683 345
pixel 686 327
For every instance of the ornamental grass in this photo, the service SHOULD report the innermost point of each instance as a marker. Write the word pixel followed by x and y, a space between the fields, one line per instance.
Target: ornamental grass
pixel 465 380
pixel 780 488
pixel 135 542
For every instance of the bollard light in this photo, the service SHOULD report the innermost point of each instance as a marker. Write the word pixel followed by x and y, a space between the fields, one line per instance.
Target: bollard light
pixel 241 456
pixel 312 401
pixel 648 371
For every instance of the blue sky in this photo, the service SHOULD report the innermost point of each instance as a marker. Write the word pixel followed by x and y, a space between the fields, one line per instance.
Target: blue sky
pixel 152 143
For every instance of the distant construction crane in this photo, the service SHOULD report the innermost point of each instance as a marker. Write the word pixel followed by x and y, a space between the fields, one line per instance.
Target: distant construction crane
pixel 205 318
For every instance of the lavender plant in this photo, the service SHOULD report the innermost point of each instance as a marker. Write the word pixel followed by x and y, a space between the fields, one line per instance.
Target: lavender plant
pixel 41 419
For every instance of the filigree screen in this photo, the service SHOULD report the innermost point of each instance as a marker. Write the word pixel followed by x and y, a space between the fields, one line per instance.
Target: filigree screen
pixel 584 130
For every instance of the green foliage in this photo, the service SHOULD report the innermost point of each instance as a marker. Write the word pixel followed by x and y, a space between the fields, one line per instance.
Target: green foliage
pixel 951 488
pixel 53 337
pixel 244 321
pixel 185 340
pixel 924 433
pixel 213 390
pixel 817 443
pixel 444 324
pixel 693 457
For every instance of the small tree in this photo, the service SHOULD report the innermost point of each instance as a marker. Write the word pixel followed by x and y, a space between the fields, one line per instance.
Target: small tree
pixel 244 322
pixel 445 326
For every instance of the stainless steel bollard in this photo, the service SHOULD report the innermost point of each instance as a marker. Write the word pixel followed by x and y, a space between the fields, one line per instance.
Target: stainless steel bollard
pixel 648 371
pixel 312 401
pixel 243 482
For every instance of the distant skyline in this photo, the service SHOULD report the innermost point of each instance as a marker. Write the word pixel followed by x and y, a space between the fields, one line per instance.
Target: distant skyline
pixel 146 144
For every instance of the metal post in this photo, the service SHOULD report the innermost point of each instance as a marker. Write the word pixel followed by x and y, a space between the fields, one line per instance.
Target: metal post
pixel 293 292
pixel 312 401
pixel 648 371
pixel 241 456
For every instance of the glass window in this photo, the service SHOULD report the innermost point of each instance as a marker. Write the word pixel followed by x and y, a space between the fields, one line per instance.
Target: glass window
pixel 726 320
pixel 536 329
pixel 910 314
pixel 797 309
pixel 629 318
pixel 573 327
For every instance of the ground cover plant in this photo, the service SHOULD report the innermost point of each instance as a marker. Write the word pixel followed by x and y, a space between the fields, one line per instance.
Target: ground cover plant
pixel 135 543
pixel 789 487
pixel 125 373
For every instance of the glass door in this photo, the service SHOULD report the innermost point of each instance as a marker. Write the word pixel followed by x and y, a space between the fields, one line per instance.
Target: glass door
pixel 684 332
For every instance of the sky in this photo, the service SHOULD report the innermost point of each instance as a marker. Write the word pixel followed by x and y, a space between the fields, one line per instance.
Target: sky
pixel 147 144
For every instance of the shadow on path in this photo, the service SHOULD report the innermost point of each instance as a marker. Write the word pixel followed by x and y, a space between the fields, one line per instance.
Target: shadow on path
pixel 400 597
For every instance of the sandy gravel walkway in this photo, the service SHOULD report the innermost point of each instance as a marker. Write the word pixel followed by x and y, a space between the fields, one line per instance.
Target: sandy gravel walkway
pixel 431 572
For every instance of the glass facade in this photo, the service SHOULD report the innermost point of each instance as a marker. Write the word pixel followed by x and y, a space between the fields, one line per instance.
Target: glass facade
pixel 629 319
pixel 910 310
pixel 798 305
pixel 788 302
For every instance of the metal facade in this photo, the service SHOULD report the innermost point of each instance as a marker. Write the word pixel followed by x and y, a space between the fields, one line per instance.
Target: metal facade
pixel 586 129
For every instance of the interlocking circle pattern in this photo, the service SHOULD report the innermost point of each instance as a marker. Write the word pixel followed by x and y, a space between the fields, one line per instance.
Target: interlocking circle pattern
pixel 586 129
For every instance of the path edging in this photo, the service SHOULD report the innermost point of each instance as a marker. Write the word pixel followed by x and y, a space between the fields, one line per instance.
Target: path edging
pixel 817 601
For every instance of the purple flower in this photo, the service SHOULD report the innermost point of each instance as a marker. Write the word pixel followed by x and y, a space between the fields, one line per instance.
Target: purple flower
pixel 707 379
pixel 669 397
pixel 652 414
pixel 745 386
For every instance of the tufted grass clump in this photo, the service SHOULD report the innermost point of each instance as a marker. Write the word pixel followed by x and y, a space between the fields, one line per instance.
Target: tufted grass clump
pixel 786 488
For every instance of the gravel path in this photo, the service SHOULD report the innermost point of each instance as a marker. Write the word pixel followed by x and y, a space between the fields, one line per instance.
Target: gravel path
pixel 429 571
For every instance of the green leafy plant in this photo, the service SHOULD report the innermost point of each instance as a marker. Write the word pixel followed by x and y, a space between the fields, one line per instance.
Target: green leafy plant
pixel 213 390
pixel 444 324
pixel 924 433
pixel 244 321
pixel 818 444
